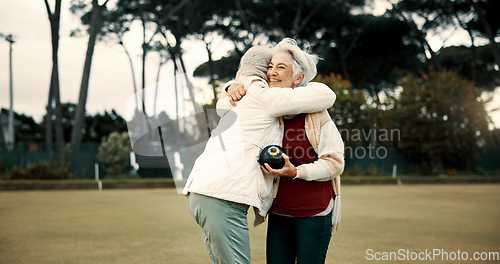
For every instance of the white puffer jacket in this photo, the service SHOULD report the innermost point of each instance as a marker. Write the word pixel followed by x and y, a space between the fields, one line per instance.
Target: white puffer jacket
pixel 228 167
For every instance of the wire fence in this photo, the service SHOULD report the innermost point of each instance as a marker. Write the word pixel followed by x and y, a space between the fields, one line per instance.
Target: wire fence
pixel 358 161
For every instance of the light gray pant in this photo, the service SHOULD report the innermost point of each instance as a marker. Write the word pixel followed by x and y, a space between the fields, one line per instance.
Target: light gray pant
pixel 224 227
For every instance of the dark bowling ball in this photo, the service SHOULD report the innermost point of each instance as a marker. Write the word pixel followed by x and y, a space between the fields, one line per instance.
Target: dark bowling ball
pixel 272 155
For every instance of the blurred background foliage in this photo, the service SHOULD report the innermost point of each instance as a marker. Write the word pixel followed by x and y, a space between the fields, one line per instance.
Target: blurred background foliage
pixel 114 153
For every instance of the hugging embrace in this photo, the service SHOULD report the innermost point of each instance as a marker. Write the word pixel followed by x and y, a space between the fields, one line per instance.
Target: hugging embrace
pixel 270 102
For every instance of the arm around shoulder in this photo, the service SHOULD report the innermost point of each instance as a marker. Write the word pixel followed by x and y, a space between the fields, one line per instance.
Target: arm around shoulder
pixel 312 98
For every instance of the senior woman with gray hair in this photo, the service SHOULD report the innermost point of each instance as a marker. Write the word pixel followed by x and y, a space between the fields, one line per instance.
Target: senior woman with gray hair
pixel 226 178
pixel 306 208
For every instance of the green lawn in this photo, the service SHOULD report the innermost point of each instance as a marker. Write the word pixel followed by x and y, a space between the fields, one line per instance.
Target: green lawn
pixel 154 225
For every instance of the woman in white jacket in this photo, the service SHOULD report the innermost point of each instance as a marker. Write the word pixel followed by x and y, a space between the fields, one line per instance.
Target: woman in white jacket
pixel 226 179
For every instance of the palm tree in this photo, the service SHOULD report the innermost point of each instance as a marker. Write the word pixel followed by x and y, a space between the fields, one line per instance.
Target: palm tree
pixel 94 30
pixel 54 90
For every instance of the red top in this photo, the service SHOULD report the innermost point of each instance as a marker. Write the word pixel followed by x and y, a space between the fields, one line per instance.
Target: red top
pixel 298 197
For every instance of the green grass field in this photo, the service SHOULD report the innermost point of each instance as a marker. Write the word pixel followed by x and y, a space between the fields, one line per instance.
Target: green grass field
pixel 154 226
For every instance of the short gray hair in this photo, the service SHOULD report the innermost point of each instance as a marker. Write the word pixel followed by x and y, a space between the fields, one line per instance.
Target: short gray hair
pixel 254 62
pixel 303 62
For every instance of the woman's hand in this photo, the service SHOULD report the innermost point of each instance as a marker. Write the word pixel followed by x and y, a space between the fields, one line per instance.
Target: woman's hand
pixel 289 170
pixel 235 92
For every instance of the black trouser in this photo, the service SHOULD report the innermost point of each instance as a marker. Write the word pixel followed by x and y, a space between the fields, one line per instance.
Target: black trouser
pixel 304 239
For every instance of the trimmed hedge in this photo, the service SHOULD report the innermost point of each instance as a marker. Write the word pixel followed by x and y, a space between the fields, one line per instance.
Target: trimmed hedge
pixel 24 185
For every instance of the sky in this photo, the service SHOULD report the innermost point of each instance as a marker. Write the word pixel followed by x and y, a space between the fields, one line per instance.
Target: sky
pixel 110 81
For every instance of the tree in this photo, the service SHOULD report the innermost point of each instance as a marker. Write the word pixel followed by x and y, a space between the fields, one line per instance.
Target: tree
pixel 368 64
pixel 436 17
pixel 151 15
pixel 442 120
pixel 364 48
pixel 114 153
pixel 351 111
pixel 185 18
pixel 409 12
pixel 159 20
pixel 485 11
pixel 476 63
pixel 94 30
pixel 115 26
pixel 224 68
pixel 54 90
pixel 142 12
pixel 94 129
pixel 102 125
pixel 26 130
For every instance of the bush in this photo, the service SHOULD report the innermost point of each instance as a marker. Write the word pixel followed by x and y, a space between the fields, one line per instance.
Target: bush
pixel 373 170
pixel 43 170
pixel 47 171
pixel 62 168
pixel 114 153
pixel 38 170
pixel 355 170
pixel 2 168
pixel 17 173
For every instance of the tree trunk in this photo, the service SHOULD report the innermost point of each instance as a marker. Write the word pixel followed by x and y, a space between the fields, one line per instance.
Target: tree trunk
pixel 145 50
pixel 472 47
pixel 177 106
pixel 211 70
pixel 54 19
pixel 58 108
pixel 474 58
pixel 59 126
pixel 201 120
pixel 487 29
pixel 425 45
pixel 343 64
pixel 54 94
pixel 420 37
pixel 55 22
pixel 157 82
pixel 48 120
pixel 342 57
pixel 188 82
pixel 300 22
pixel 143 73
pixel 95 28
pixel 345 53
pixel 133 74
